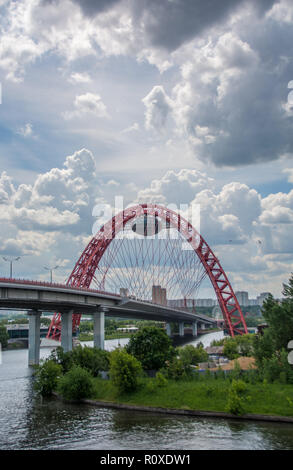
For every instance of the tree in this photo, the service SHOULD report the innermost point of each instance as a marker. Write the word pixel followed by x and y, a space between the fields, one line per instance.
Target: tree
pixel 236 403
pixel 152 347
pixel 3 336
pixel 279 317
pixel 231 348
pixel 192 355
pixel 245 344
pixel 125 371
pixel 177 369
pixel 46 377
pixel 241 345
pixel 270 349
pixel 76 384
pixel 92 359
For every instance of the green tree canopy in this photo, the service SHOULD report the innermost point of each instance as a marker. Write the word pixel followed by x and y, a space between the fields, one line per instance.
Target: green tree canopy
pixel 279 318
pixel 192 355
pixel 151 346
pixel 94 360
pixel 270 349
pixel 125 370
pixel 46 377
pixel 76 384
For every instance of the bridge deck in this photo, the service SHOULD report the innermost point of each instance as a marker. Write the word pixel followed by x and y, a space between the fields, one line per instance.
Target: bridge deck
pixel 34 295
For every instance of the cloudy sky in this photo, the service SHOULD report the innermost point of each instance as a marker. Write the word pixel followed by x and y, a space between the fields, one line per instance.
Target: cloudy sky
pixel 170 101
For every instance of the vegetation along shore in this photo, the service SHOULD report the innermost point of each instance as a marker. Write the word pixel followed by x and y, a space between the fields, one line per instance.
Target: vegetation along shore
pixel 176 382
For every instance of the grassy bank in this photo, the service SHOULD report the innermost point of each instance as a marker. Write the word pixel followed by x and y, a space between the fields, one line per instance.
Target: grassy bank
pixel 204 395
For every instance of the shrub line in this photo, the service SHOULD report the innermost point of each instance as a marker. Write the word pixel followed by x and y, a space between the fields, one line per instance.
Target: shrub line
pixel 184 412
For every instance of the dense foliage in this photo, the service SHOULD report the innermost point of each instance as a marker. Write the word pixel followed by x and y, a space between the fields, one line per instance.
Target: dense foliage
pixel 191 355
pixel 270 349
pixel 76 384
pixel 152 347
pixel 46 377
pixel 237 399
pixel 180 366
pixel 94 360
pixel 238 346
pixel 125 371
pixel 177 369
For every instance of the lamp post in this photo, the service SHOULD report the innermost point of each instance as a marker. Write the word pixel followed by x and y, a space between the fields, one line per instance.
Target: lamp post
pixel 51 271
pixel 10 260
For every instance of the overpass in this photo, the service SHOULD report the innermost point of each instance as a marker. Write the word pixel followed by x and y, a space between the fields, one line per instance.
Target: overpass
pixel 37 297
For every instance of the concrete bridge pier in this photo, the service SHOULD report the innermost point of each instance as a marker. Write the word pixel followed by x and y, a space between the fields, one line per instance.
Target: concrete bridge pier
pixel 34 337
pixel 66 331
pixel 99 328
pixel 194 328
pixel 181 328
pixel 168 329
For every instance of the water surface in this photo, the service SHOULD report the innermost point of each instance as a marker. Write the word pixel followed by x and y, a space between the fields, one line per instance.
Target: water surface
pixel 27 422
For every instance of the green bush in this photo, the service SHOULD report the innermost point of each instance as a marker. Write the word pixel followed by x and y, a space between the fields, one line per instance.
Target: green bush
pixel 160 380
pixel 178 370
pixel 207 390
pixel 46 377
pixel 277 368
pixel 64 359
pixel 152 347
pixel 94 360
pixel 241 345
pixel 76 384
pixel 151 386
pixel 192 355
pixel 236 372
pixel 125 371
pixel 251 376
pixel 231 350
pixel 237 400
pixel 220 374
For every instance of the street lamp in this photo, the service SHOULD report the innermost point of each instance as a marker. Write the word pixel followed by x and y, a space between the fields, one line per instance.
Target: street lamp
pixel 51 271
pixel 10 260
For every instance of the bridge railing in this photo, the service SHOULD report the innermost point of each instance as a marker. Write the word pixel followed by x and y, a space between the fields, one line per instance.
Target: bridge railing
pixel 54 284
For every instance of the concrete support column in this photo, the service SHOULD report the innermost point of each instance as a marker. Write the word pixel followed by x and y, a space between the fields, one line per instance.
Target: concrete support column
pixel 66 331
pixel 34 337
pixel 99 329
pixel 181 328
pixel 168 329
pixel 194 328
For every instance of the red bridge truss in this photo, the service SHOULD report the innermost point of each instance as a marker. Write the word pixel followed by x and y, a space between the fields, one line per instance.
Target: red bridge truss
pixel 93 258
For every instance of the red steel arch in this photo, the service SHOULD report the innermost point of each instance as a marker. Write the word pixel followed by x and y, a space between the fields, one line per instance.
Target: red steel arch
pixel 87 264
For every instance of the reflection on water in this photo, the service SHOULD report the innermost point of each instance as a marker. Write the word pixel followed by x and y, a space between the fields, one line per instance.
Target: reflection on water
pixel 27 422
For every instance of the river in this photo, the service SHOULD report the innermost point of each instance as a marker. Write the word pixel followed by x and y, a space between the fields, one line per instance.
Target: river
pixel 28 422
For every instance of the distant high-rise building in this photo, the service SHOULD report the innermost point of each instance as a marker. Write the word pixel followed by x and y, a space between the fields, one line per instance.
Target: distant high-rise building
pixel 192 303
pixel 163 296
pixel 123 292
pixel 159 295
pixel 205 302
pixel 262 297
pixel 242 297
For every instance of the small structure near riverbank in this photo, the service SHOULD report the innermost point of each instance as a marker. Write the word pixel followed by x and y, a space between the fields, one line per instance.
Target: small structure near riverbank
pixel 245 363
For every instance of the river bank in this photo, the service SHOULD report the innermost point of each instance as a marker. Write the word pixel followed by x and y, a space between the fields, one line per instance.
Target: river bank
pixel 27 422
pixel 272 402
pixel 191 413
